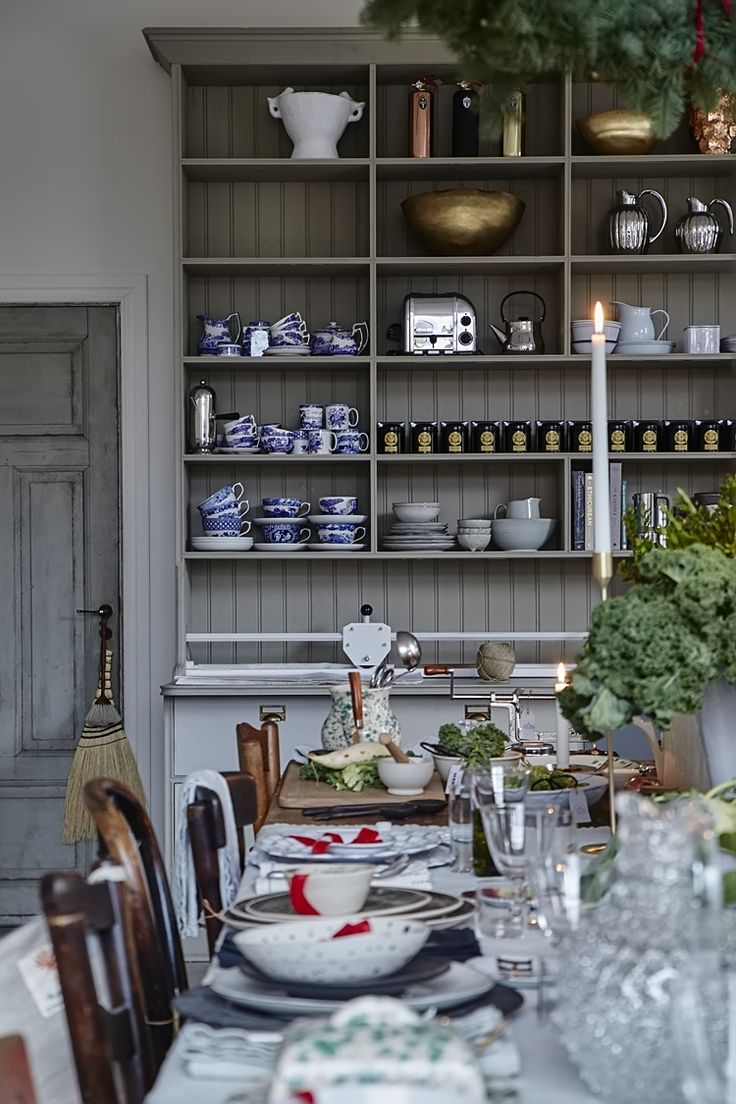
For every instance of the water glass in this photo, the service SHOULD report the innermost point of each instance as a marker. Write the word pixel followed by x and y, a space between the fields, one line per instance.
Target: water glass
pixel 518 838
pixel 460 821
pixel 704 1028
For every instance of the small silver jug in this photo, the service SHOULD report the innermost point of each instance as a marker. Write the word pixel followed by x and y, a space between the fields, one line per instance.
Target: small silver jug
pixel 699 231
pixel 627 227
pixel 521 335
pixel 202 418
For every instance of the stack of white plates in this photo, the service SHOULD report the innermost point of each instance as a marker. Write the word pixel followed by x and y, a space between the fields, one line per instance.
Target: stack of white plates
pixel 222 544
pixel 418 536
pixel 287 350
pixel 644 348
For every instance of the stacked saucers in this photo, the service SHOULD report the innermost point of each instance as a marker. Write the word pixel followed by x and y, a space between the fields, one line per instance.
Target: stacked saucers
pixel 416 529
pixel 222 544
pixel 644 348
pixel 287 350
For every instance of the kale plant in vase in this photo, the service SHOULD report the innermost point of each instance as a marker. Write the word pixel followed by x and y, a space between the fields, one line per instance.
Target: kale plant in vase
pixel 664 653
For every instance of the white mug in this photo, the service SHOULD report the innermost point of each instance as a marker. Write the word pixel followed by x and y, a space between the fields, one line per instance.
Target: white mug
pixel 519 508
pixel 701 339
pixel 301 440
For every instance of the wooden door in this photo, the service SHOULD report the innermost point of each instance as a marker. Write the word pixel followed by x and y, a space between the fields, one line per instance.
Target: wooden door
pixel 59 551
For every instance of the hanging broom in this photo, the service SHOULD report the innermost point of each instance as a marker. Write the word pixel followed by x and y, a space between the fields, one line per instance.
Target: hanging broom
pixel 103 750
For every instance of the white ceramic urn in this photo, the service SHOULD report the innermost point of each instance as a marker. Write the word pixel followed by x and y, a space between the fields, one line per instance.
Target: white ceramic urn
pixel 315 121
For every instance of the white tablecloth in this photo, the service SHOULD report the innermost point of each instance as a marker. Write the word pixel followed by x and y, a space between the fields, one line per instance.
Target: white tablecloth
pixel 547 1076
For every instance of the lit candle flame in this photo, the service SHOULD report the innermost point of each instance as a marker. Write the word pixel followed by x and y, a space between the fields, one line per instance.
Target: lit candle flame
pixel 561 673
pixel 598 316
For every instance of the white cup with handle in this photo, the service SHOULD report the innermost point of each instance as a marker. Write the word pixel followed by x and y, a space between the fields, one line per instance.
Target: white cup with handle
pixel 521 508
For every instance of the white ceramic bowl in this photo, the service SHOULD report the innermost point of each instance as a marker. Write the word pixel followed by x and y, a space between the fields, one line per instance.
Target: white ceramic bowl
pixel 474 523
pixel 522 534
pixel 333 890
pixel 584 328
pixel 472 541
pixel 585 348
pixel 307 951
pixel 416 511
pixel 445 763
pixel 405 779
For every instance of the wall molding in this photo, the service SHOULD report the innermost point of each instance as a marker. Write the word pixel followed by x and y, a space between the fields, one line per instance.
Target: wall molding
pixel 129 292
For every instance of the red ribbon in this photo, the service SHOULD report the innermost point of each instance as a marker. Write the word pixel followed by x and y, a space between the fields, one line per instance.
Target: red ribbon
pixel 298 896
pixel 360 928
pixel 318 847
pixel 700 29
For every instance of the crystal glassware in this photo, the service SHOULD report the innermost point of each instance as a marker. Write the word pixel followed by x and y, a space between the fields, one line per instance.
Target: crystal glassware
pixel 460 823
pixel 704 1030
pixel 518 838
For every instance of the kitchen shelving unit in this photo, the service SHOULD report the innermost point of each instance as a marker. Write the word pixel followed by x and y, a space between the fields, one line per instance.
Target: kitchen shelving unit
pixel 260 233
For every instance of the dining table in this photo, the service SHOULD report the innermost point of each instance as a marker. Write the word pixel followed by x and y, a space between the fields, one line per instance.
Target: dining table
pixel 546 1075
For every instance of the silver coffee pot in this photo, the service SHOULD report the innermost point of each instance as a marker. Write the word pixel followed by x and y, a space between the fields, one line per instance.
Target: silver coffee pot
pixel 203 419
pixel 627 226
pixel 699 231
pixel 523 334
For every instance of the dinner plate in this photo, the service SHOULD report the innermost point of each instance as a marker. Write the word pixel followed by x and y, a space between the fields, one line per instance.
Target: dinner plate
pixel 222 544
pixel 458 918
pixel 391 844
pixel 274 908
pixel 423 967
pixel 317 546
pixel 459 984
pixel 262 546
pixel 593 788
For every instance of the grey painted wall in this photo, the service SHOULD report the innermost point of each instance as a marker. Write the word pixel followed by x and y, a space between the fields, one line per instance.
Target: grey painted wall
pixel 86 188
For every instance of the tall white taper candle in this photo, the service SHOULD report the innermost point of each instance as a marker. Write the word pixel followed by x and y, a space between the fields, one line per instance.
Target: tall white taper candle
pixel 599 419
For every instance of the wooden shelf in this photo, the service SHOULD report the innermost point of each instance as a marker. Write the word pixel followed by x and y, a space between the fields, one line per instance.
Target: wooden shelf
pixel 464 362
pixel 674 263
pixel 473 458
pixel 273 458
pixel 652 165
pixel 276 170
pixel 467 168
pixel 276 266
pixel 466 266
pixel 306 363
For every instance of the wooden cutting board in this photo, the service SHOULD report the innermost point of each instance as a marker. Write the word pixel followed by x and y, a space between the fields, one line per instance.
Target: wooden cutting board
pixel 298 793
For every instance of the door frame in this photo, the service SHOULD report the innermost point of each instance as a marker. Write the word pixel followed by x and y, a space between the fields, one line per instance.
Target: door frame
pixel 129 293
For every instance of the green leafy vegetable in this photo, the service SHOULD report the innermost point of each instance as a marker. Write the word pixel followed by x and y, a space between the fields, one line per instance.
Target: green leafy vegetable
pixel 355 777
pixel 542 778
pixel 477 746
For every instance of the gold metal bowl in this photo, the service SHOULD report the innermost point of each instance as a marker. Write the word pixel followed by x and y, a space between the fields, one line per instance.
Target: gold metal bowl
pixel 617 132
pixel 463 222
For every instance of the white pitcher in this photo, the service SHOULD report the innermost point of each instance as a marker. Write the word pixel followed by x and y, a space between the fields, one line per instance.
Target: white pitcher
pixel 315 121
pixel 636 322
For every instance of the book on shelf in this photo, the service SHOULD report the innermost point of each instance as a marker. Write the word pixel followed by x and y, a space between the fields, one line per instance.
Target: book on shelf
pixel 583 505
pixel 578 511
pixel 624 507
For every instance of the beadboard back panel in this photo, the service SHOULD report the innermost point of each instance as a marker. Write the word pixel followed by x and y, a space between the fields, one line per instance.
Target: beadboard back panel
pixel 263 234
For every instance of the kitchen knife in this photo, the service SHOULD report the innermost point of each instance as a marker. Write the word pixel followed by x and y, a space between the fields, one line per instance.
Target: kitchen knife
pixel 399 811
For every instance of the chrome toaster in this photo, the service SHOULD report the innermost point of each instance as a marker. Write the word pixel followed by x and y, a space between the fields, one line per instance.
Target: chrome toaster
pixel 436 324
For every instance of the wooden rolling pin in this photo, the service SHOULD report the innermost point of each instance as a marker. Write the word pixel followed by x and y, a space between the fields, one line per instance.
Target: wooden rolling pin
pixel 399 755
pixel 431 670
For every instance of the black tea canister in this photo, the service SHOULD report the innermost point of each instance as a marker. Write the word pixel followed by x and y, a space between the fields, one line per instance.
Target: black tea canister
pixel 390 437
pixel 708 435
pixel 423 437
pixel 580 436
pixel 619 436
pixel 517 436
pixel 678 435
pixel 485 436
pixel 647 436
pixel 454 437
pixel 550 436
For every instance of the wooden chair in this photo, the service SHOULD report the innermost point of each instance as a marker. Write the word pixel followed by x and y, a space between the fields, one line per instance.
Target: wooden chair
pixel 16 1084
pixel 207 835
pixel 259 755
pixel 111 1041
pixel 126 836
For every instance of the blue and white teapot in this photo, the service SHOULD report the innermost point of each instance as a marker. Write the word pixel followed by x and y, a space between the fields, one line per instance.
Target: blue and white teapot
pixel 333 341
pixel 217 331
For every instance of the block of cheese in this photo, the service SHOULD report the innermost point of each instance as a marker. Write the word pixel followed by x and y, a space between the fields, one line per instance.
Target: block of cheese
pixel 372 1049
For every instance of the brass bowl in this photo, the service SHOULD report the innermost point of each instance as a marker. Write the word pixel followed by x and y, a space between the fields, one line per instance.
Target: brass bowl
pixel 617 132
pixel 463 222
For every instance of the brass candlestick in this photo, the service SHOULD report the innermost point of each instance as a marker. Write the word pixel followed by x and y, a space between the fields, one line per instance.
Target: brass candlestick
pixel 603 573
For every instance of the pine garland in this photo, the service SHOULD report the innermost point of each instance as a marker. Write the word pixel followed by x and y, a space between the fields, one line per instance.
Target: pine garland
pixel 663 54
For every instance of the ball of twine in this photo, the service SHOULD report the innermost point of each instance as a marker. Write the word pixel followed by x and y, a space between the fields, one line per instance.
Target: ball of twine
pixel 495 662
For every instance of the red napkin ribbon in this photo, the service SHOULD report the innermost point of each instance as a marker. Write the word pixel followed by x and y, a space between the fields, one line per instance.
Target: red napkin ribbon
pixel 305 1097
pixel 360 928
pixel 299 897
pixel 318 847
pixel 700 30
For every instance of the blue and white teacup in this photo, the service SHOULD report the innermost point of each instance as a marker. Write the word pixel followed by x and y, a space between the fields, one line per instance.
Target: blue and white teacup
pixel 301 441
pixel 280 440
pixel 285 531
pixel 285 507
pixel 339 532
pixel 293 321
pixel 311 416
pixel 228 349
pixel 341 416
pixel 350 441
pixel 241 428
pixel 338 504
pixel 226 524
pixel 321 442
pixel 284 338
pixel 226 496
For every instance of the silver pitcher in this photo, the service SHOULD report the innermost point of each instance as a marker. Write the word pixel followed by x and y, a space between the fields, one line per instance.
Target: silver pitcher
pixel 627 226
pixel 203 419
pixel 651 516
pixel 699 231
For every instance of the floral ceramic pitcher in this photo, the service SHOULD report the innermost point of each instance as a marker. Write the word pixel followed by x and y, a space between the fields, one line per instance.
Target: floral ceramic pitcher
pixel 337 730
